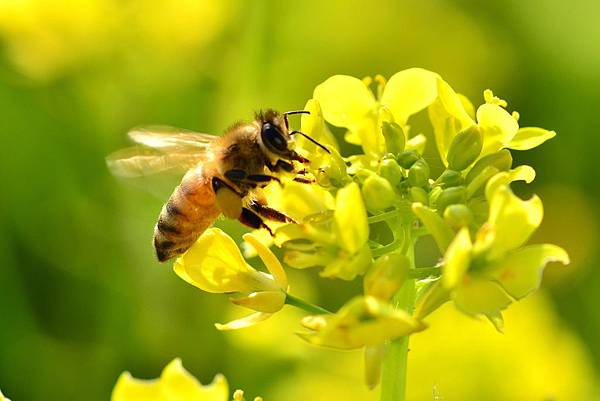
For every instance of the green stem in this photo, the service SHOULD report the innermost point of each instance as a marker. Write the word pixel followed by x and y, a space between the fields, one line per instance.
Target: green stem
pixel 395 362
pixel 382 216
pixel 306 306
pixel 424 272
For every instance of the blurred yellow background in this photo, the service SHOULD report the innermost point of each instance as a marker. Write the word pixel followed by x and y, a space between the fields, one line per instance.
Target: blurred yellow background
pixel 81 296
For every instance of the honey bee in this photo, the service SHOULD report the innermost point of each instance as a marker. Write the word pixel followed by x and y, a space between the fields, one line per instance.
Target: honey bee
pixel 224 175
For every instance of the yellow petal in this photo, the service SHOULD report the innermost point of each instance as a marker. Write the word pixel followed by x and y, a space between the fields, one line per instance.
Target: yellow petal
pixel 270 261
pixel 436 226
pixel 408 92
pixel 476 296
pixel 131 389
pixel 345 100
pixel 352 227
pixel 246 321
pixel 520 173
pixel 373 362
pixel 457 259
pixel 498 126
pixel 179 385
pixel 313 124
pixel 215 264
pixel 530 137
pixel 264 301
pixel 363 321
pixel 512 220
pixel 520 271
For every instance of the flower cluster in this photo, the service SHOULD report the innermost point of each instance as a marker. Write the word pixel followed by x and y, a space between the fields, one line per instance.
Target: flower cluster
pixel 175 384
pixel 366 211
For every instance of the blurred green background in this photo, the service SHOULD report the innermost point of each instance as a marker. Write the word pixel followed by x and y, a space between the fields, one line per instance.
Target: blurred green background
pixel 81 296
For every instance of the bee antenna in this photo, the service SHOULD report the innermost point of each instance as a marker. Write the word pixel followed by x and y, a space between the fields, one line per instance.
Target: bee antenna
pixel 289 113
pixel 312 140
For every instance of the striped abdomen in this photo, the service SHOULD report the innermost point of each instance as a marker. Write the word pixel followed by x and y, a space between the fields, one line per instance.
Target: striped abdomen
pixel 190 210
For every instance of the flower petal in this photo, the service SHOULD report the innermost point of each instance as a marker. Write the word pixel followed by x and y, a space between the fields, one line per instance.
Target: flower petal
pixel 475 296
pixel 313 124
pixel 264 301
pixel 215 264
pixel 457 259
pixel 246 321
pixel 520 272
pixel 178 385
pixel 345 100
pixel 530 137
pixel 352 227
pixel 498 126
pixel 270 261
pixel 520 173
pixel 129 388
pixel 436 226
pixel 408 92
pixel 512 220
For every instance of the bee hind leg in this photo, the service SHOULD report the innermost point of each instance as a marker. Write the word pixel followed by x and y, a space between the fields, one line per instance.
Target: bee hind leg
pixel 253 220
pixel 270 213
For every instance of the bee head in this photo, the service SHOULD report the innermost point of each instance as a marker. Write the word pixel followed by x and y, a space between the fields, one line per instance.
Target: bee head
pixel 276 137
pixel 274 133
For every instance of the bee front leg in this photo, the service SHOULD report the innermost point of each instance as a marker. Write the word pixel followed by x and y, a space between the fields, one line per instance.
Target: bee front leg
pixel 270 213
pixel 252 220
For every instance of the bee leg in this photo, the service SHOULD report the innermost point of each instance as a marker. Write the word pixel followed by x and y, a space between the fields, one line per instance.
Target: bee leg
pixel 252 220
pixel 236 175
pixel 304 180
pixel 261 178
pixel 281 165
pixel 270 213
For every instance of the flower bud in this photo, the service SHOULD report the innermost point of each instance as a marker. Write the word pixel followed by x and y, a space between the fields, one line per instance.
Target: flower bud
pixel 377 193
pixel 395 139
pixel 418 174
pixel 465 148
pixel 450 196
pixel 386 276
pixel 434 193
pixel 458 216
pixel 391 171
pixel 449 178
pixel 502 160
pixel 418 194
pixel 407 158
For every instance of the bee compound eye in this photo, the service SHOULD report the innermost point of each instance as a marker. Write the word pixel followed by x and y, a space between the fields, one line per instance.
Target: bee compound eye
pixel 273 138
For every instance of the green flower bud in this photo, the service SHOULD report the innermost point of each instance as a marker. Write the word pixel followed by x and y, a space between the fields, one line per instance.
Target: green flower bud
pixel 377 193
pixel 395 139
pixel 391 171
pixel 386 276
pixel 502 160
pixel 407 158
pixel 418 174
pixel 458 216
pixel 450 178
pixel 434 194
pixel 419 195
pixel 451 196
pixel 465 148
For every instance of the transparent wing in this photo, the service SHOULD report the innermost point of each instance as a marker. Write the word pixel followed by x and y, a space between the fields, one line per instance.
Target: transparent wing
pixel 138 161
pixel 161 149
pixel 171 138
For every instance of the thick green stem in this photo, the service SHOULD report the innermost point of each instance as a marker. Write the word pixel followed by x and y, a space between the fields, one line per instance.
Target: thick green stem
pixel 306 306
pixel 393 380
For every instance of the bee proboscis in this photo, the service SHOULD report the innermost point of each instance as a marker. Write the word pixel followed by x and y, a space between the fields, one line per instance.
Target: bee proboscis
pixel 223 174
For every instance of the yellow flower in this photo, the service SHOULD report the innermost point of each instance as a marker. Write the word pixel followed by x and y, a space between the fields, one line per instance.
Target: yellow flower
pixel 175 384
pixel 2 397
pixel 484 276
pixel 347 102
pixel 450 114
pixel 215 264
pixel 335 237
pixel 363 321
